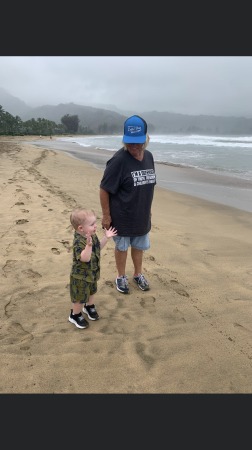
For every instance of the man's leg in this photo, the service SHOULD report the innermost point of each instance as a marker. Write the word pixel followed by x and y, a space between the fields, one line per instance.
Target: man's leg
pixel 120 259
pixel 137 258
pixel 139 278
pixel 121 280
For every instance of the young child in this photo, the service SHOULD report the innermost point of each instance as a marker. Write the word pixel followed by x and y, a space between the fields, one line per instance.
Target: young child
pixel 86 265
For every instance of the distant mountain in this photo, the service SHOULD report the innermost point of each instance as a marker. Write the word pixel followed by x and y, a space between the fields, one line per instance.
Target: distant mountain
pixel 91 118
pixel 165 122
pixel 114 108
pixel 12 104
pixel 96 119
pixel 103 120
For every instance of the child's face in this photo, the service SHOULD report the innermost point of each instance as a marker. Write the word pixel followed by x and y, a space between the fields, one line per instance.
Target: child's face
pixel 88 227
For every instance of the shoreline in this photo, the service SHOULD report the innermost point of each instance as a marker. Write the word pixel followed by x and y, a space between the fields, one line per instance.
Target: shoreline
pixel 217 188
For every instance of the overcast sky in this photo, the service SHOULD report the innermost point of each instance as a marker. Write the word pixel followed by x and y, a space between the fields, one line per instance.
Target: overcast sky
pixel 218 85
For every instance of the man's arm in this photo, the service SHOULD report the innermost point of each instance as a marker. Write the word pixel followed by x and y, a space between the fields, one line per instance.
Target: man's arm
pixel 104 200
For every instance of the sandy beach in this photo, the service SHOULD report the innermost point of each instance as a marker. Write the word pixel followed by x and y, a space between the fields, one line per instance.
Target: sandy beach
pixel 191 333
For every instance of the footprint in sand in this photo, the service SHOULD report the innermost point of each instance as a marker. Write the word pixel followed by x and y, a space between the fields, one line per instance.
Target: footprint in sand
pixel 141 351
pixel 178 289
pixel 21 233
pixel 55 251
pixel 66 244
pixel 147 301
pixel 31 274
pixel 21 221
pixel 17 334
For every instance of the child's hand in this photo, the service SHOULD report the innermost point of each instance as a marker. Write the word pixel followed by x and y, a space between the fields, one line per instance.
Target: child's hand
pixel 110 232
pixel 89 239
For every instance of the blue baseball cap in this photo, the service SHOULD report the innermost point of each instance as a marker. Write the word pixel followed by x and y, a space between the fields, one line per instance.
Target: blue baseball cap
pixel 135 130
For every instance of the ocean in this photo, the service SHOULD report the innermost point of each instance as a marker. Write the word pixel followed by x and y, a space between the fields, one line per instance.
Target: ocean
pixel 213 168
pixel 222 155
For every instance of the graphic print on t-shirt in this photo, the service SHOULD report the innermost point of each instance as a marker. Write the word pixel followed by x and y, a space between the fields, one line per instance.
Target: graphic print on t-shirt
pixel 143 177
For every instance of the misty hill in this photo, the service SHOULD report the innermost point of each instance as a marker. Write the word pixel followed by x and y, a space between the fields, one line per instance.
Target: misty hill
pixel 90 118
pixel 103 120
pixel 165 122
pixel 12 104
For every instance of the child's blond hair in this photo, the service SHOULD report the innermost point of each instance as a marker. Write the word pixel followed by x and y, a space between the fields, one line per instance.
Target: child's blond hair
pixel 79 216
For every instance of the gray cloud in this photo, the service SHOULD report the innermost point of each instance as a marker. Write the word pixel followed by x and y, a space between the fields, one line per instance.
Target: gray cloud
pixel 192 85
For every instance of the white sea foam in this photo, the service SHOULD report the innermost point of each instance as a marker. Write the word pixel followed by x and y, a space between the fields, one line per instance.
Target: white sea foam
pixel 230 155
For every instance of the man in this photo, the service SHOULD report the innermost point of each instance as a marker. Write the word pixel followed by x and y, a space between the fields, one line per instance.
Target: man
pixel 126 194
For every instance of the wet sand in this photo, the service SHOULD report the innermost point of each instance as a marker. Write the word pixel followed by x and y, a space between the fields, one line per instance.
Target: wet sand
pixel 217 188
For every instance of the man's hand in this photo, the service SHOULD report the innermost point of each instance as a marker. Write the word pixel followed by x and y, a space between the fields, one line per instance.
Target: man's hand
pixel 106 221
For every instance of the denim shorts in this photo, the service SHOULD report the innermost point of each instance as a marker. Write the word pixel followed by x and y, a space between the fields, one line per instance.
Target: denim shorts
pixel 122 243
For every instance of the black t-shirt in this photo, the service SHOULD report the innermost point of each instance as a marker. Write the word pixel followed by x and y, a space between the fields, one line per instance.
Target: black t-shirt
pixel 130 184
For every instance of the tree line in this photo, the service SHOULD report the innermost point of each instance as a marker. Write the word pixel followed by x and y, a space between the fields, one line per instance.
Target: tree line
pixel 14 126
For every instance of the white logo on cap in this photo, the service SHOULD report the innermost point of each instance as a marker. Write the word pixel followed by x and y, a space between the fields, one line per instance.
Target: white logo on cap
pixel 134 129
